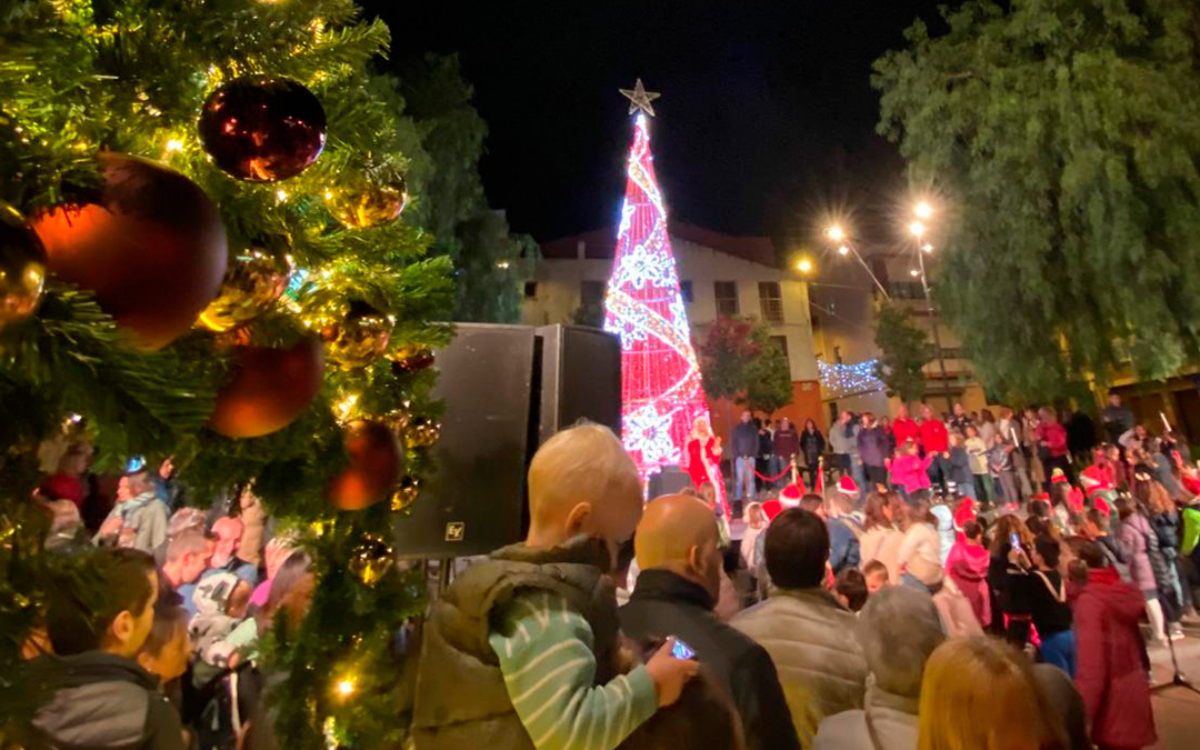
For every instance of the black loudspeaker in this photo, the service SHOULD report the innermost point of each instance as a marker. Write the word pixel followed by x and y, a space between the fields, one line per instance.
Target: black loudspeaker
pixel 471 503
pixel 580 378
pixel 669 481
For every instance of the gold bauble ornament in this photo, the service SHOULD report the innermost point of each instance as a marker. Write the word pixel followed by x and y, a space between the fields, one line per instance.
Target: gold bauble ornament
pixel 359 338
pixel 406 494
pixel 396 419
pixel 363 204
pixel 371 559
pixel 22 268
pixel 422 432
pixel 253 282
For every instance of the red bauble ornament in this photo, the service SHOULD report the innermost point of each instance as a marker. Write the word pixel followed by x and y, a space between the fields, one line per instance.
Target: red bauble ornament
pixel 268 389
pixel 411 361
pixel 152 248
pixel 376 463
pixel 262 129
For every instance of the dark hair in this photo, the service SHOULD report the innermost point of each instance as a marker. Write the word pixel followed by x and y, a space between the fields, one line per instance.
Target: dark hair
pixel 852 584
pixel 1049 549
pixel 1092 555
pixel 83 605
pixel 797 548
pixel 167 622
pixel 1037 525
pixel 873 512
pixel 704 716
pixel 986 415
pixel 1039 509
pixel 972 529
pixel 1095 516
pixel 812 502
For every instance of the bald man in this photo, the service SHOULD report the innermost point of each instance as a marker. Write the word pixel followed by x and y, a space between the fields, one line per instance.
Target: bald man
pixel 678 551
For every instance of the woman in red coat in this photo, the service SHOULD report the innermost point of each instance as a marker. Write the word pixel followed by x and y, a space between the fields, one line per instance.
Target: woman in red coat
pixel 704 461
pixel 1111 667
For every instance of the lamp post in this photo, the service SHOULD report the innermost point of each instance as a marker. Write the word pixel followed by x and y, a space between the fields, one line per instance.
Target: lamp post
pixel 924 211
pixel 845 247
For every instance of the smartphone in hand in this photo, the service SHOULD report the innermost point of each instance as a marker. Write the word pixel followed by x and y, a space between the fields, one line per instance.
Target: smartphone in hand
pixel 682 651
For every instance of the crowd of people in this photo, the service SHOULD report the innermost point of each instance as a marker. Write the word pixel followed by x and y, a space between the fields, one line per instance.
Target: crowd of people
pixel 962 610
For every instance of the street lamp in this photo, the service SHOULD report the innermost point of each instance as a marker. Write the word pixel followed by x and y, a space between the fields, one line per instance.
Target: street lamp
pixel 804 265
pixel 923 211
pixel 837 234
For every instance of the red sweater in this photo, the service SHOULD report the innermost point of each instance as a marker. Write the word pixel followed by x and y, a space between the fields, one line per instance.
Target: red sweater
pixel 934 436
pixel 906 429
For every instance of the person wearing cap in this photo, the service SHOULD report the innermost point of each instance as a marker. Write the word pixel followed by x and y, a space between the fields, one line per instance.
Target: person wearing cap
pixel 898 629
pixel 807 632
pixel 139 518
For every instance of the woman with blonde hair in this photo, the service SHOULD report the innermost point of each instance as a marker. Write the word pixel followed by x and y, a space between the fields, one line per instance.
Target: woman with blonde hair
pixel 704 460
pixel 980 694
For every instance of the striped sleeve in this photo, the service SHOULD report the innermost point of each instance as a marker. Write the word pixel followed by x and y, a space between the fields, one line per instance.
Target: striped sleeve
pixel 545 653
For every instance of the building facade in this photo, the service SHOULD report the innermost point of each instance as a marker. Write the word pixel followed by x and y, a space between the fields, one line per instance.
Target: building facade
pixel 846 301
pixel 720 276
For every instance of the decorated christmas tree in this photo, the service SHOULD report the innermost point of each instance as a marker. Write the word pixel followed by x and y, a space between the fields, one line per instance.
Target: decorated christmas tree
pixel 202 258
pixel 661 393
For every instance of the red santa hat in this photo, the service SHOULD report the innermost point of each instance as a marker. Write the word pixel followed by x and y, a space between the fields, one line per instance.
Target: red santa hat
pixel 1058 476
pixel 1091 483
pixel 846 486
pixel 791 494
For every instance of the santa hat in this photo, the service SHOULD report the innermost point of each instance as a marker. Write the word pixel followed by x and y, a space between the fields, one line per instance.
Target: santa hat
pixel 846 486
pixel 1058 476
pixel 1092 484
pixel 791 494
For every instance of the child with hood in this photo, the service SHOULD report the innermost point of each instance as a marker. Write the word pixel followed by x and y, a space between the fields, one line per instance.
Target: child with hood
pixel 968 565
pixel 1111 673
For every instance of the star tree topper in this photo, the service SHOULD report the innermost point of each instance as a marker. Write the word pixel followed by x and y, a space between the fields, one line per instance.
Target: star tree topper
pixel 640 98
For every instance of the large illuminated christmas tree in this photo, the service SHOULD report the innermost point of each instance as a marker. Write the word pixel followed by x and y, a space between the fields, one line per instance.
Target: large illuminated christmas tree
pixel 661 392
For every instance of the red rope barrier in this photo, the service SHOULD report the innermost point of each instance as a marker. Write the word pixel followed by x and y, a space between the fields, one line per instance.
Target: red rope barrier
pixel 774 478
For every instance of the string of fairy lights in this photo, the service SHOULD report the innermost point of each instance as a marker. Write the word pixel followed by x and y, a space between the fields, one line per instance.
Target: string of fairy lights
pixel 840 380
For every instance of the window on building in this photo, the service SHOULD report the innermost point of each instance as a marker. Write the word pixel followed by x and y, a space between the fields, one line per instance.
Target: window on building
pixel 770 300
pixel 906 290
pixel 530 289
pixel 591 292
pixel 685 289
pixel 727 298
pixel 880 271
pixel 781 342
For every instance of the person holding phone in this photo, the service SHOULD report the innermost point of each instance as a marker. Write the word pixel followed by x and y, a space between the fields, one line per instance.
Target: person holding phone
pixel 678 552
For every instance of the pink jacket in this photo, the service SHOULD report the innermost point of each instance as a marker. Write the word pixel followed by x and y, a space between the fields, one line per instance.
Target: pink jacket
pixel 968 566
pixel 909 472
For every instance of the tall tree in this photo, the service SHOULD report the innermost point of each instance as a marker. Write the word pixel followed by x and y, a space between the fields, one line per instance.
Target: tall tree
pixel 1064 136
pixel 486 254
pixel 904 353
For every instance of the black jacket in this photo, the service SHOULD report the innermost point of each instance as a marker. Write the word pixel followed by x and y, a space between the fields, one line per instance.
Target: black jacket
pixel 745 440
pixel 103 702
pixel 665 604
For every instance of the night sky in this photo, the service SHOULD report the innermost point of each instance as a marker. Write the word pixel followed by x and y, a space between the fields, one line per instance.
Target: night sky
pixel 767 116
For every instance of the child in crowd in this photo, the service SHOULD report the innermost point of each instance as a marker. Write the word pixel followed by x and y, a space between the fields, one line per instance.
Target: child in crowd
pixel 756 523
pixel 875 576
pixel 910 472
pixel 168 646
pixel 977 455
pixel 533 629
pixel 850 588
pixel 959 472
pixel 968 565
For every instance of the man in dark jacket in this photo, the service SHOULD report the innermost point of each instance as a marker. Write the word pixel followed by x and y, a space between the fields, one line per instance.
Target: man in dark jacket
pixel 745 448
pixel 873 449
pixel 98 695
pixel 677 547
pixel 1117 419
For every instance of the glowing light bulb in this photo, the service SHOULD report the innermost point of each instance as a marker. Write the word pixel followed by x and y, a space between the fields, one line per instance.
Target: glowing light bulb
pixel 917 228
pixel 502 265
pixel 844 250
pixel 923 210
pixel 281 195
pixel 835 233
pixel 174 145
pixel 927 247
pixel 345 687
pixel 913 272
pixel 804 265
